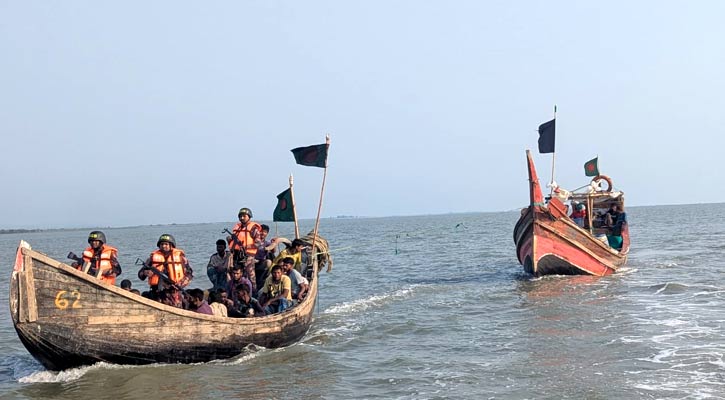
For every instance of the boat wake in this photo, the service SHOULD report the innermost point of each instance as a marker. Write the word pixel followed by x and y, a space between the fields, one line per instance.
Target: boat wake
pixel 69 375
pixel 372 301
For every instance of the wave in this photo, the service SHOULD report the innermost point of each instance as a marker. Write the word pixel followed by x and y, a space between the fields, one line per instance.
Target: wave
pixel 69 375
pixel 372 301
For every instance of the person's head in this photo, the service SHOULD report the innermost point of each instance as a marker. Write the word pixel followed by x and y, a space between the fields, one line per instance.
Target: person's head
pixel 96 239
pixel 223 295
pixel 264 232
pixel 244 215
pixel 581 207
pixel 221 245
pixel 166 242
pixel 126 284
pixel 243 292
pixel 135 291
pixel 614 207
pixel 214 296
pixel 237 272
pixel 296 245
pixel 287 264
pixel 277 273
pixel 196 297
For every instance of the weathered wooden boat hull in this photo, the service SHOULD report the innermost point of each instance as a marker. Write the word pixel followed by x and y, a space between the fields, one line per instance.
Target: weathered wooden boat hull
pixel 548 242
pixel 67 319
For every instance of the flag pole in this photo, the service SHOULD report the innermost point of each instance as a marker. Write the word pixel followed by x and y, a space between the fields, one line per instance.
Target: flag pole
pixel 553 157
pixel 294 211
pixel 322 191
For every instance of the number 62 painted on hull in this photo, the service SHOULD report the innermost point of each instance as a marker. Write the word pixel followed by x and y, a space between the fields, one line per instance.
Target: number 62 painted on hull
pixel 62 299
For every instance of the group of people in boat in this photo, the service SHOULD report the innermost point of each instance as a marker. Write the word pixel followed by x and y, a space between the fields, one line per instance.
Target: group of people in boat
pixel 248 279
pixel 612 221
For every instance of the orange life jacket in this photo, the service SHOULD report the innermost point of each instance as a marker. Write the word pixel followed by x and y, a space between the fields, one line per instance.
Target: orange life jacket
pixel 103 262
pixel 172 265
pixel 246 238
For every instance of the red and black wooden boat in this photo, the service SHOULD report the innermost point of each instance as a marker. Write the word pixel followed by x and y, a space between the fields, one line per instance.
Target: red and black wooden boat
pixel 549 242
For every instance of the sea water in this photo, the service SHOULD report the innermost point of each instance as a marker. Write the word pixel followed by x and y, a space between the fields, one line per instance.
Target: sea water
pixel 433 307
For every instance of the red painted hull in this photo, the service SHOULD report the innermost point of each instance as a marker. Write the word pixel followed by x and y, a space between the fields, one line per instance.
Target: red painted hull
pixel 549 242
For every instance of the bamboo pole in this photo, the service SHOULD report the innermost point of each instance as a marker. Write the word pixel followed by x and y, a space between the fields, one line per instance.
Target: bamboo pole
pixel 553 156
pixel 294 210
pixel 322 191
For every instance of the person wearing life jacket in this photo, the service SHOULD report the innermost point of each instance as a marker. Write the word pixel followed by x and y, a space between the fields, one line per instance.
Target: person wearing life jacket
pixel 244 244
pixel 169 261
pixel 100 259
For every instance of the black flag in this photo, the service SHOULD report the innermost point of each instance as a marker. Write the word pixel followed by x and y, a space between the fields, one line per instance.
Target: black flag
pixel 547 134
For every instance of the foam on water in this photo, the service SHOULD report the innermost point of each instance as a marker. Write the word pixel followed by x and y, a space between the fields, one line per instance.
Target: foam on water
pixel 372 301
pixel 69 375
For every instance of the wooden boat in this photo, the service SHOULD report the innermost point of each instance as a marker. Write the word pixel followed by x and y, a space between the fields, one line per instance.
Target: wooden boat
pixel 66 318
pixel 549 242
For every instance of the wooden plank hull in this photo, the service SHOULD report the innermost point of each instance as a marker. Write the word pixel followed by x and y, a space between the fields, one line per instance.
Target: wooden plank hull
pixel 556 246
pixel 67 319
pixel 549 242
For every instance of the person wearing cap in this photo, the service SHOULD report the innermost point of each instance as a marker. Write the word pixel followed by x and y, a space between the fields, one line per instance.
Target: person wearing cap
pixel 169 261
pixel 218 268
pixel 245 243
pixel 100 258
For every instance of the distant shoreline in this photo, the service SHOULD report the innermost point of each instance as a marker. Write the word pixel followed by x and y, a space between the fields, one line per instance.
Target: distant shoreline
pixel 8 231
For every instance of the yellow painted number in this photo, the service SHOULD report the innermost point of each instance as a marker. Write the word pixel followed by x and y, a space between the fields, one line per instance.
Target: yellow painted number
pixel 61 300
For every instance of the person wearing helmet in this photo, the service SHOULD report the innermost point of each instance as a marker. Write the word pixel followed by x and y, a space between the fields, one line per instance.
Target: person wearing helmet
pixel 100 259
pixel 172 265
pixel 244 244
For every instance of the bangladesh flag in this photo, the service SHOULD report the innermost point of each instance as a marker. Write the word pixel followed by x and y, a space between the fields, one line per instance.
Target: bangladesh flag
pixel 311 156
pixel 284 211
pixel 591 168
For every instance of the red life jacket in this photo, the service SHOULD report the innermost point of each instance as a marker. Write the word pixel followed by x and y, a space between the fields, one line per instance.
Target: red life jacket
pixel 103 262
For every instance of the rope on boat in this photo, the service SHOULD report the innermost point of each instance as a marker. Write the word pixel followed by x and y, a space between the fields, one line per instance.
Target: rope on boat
pixel 321 249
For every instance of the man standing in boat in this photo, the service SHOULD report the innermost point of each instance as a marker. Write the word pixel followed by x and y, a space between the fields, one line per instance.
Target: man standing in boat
pixel 218 268
pixel 100 259
pixel 171 264
pixel 615 218
pixel 244 242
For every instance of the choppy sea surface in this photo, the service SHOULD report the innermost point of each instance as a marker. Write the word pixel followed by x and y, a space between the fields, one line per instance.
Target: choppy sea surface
pixel 436 307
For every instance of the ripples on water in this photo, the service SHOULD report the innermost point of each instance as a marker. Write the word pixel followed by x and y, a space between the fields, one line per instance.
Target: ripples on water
pixel 451 315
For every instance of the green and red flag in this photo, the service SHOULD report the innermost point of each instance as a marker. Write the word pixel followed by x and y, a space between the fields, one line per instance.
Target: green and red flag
pixel 284 210
pixel 591 168
pixel 311 156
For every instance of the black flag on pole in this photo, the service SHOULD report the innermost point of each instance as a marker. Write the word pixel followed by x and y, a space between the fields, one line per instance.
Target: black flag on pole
pixel 547 135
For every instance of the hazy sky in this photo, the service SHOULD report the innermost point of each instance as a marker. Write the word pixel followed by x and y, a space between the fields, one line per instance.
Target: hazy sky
pixel 138 112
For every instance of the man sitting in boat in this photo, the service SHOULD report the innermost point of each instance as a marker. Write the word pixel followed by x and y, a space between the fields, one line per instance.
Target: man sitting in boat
pixel 615 218
pixel 246 306
pixel 216 302
pixel 299 283
pixel 294 250
pixel 277 292
pixel 100 259
pixel 197 302
pixel 171 265
pixel 237 278
pixel 578 213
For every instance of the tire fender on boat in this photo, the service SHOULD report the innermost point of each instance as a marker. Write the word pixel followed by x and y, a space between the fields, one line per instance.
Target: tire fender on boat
pixel 597 182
